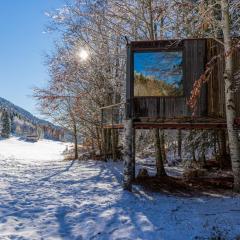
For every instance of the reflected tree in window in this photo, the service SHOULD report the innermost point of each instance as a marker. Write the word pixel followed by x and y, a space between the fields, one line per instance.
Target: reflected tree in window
pixel 158 73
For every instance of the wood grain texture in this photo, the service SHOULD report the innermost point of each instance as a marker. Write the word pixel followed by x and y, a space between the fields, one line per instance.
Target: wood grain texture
pixel 196 54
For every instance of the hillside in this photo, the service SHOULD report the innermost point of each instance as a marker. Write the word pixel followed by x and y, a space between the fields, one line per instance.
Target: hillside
pixel 12 108
pixel 150 86
pixel 24 123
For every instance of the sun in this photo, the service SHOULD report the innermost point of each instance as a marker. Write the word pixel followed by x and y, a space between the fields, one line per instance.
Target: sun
pixel 83 54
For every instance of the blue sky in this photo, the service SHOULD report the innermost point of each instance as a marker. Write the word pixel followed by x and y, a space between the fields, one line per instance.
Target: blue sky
pixel 162 65
pixel 22 47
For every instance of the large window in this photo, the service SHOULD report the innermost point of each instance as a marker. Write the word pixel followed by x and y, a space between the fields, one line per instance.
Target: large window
pixel 158 73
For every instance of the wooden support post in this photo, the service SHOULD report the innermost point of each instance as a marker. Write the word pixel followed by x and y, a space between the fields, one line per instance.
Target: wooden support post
pixel 114 145
pixel 104 143
pixel 108 141
pixel 128 156
pixel 223 158
pixel 162 144
pixel 133 153
pixel 179 145
pixel 159 155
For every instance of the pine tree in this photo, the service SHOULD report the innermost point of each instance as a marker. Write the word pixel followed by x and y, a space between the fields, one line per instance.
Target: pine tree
pixel 6 125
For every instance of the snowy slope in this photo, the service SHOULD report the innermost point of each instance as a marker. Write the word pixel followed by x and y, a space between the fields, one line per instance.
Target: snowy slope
pixel 12 108
pixel 44 197
pixel 15 148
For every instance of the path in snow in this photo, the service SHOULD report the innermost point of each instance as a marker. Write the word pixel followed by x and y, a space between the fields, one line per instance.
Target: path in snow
pixel 84 200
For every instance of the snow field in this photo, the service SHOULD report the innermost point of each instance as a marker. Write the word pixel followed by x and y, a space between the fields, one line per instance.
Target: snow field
pixel 44 197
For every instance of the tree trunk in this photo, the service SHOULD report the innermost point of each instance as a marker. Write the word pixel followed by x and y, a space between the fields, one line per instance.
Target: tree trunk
pixel 128 156
pixel 203 153
pixel 229 97
pixel 75 141
pixel 193 153
pixel 114 146
pixel 222 149
pixel 108 142
pixel 104 143
pixel 151 21
pixel 98 140
pixel 215 144
pixel 192 146
pixel 179 139
pixel 162 145
pixel 159 157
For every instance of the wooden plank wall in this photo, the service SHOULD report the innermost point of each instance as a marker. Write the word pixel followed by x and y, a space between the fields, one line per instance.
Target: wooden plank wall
pixel 236 57
pixel 216 105
pixel 194 67
pixel 129 73
pixel 194 58
pixel 216 92
pixel 196 53
pixel 160 107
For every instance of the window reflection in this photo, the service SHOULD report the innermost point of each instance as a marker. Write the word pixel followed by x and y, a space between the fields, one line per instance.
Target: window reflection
pixel 158 73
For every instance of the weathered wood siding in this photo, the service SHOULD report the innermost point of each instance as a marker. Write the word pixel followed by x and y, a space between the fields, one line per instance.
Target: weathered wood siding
pixel 215 85
pixel 129 77
pixel 236 57
pixel 196 54
pixel 194 60
pixel 160 107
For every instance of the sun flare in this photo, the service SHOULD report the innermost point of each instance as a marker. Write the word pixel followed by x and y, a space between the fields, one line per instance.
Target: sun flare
pixel 83 54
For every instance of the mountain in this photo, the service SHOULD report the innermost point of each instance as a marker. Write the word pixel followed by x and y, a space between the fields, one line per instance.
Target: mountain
pixel 150 86
pixel 24 123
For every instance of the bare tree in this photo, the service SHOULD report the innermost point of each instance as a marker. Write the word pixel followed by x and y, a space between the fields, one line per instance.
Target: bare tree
pixel 229 95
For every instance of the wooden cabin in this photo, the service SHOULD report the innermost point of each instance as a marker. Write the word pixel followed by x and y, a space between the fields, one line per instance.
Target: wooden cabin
pixel 159 83
pixel 32 138
pixel 160 78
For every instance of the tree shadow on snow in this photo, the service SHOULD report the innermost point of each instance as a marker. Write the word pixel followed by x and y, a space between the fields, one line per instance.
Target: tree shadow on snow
pixel 65 227
pixel 59 172
pixel 139 214
pixel 95 196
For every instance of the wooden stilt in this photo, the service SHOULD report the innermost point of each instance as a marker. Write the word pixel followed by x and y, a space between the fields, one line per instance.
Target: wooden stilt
pixel 179 145
pixel 159 155
pixel 109 143
pixel 223 161
pixel 128 156
pixel 114 146
pixel 104 143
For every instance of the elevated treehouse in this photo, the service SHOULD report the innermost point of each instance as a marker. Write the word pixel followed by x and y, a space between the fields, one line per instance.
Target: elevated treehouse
pixel 159 83
pixel 160 79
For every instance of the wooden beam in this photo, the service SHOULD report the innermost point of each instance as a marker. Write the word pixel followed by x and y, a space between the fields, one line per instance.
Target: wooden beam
pixel 114 126
pixel 152 125
pixel 112 106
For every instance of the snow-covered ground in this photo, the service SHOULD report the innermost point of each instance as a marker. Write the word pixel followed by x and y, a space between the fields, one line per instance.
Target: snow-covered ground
pixel 44 197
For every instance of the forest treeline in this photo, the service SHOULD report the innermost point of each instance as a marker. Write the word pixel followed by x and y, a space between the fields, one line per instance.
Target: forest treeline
pixel 150 86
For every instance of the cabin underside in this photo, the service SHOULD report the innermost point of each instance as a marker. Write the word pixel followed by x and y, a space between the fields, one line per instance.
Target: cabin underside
pixel 113 118
pixel 201 124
